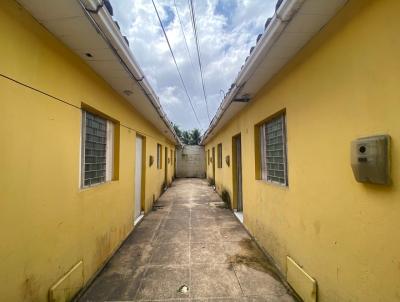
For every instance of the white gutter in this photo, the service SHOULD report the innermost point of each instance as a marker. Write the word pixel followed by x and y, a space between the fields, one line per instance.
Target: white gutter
pixel 278 23
pixel 105 25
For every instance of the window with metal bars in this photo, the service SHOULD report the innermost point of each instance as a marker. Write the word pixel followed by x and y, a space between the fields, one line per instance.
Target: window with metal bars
pixel 219 151
pixel 97 149
pixel 273 150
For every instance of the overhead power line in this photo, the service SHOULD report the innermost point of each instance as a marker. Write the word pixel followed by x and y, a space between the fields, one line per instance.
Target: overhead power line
pixel 176 64
pixel 196 40
pixel 184 36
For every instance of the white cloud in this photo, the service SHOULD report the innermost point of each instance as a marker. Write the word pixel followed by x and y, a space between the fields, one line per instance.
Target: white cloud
pixel 169 95
pixel 226 29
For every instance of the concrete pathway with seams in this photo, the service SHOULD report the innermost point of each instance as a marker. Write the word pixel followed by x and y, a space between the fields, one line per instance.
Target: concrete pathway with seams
pixel 188 240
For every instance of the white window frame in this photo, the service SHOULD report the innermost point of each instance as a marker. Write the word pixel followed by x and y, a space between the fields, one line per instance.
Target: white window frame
pixel 159 154
pixel 263 160
pixel 110 151
pixel 110 145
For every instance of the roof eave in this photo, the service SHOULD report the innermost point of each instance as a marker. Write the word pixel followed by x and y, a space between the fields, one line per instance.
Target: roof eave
pixel 98 13
pixel 276 27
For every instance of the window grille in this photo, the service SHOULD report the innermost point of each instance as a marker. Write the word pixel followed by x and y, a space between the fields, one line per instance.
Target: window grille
pixel 97 157
pixel 273 150
pixel 219 150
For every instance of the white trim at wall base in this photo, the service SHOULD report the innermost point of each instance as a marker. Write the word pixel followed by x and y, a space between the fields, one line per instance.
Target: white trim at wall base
pixel 90 281
pixel 139 219
pixel 279 271
pixel 239 215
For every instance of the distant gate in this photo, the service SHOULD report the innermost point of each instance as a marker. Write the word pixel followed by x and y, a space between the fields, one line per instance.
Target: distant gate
pixel 191 162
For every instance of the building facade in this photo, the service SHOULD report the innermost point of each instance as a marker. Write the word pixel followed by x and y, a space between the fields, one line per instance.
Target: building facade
pixel 332 237
pixel 78 161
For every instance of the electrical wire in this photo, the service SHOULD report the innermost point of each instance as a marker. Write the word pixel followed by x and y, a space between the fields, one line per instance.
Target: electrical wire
pixel 184 36
pixel 196 40
pixel 176 64
pixel 69 103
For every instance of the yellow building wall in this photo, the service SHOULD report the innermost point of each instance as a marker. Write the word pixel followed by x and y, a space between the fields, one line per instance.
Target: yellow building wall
pixel 47 222
pixel 343 85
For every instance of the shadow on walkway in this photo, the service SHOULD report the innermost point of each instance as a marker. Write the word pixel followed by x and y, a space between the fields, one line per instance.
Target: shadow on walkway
pixel 188 248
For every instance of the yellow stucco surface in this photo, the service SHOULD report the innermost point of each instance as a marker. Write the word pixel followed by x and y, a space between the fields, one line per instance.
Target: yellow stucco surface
pixel 48 223
pixel 343 85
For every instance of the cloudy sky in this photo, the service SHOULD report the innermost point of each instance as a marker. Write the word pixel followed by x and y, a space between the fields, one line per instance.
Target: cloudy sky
pixel 226 31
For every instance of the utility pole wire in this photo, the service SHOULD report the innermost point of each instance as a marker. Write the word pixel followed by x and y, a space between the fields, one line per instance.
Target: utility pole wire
pixel 193 15
pixel 184 36
pixel 176 64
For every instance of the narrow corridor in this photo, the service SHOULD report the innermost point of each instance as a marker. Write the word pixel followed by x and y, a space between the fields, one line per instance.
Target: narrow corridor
pixel 188 248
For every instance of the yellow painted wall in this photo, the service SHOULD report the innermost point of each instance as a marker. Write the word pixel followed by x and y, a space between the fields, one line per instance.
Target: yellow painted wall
pixel 47 223
pixel 343 85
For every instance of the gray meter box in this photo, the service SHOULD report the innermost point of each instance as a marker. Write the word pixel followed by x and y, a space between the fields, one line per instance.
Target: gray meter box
pixel 370 159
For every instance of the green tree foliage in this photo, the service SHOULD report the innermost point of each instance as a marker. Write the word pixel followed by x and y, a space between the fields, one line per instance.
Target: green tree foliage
pixel 188 137
pixel 178 131
pixel 195 137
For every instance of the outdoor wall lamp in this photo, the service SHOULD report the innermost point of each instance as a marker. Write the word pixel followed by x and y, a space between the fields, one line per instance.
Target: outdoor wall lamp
pixel 243 99
pixel 151 160
pixel 228 160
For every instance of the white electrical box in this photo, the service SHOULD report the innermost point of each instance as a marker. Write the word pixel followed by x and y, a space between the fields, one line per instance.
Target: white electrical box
pixel 370 159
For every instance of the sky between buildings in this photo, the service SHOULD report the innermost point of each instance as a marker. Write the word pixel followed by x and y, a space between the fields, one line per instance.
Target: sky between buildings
pixel 226 31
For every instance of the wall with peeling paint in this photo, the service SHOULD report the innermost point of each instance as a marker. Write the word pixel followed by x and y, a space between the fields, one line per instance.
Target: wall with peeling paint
pixel 343 85
pixel 48 224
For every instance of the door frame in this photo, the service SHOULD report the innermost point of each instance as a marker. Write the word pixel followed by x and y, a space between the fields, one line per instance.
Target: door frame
pixel 143 176
pixel 174 163
pixel 213 163
pixel 166 166
pixel 235 172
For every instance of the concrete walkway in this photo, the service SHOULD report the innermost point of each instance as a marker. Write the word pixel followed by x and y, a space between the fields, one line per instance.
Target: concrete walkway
pixel 189 248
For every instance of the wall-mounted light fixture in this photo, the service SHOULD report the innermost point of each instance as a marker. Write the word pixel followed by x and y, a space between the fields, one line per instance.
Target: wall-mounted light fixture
pixel 228 160
pixel 151 160
pixel 243 99
pixel 127 92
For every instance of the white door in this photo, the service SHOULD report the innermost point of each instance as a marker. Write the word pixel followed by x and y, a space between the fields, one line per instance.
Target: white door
pixel 138 176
